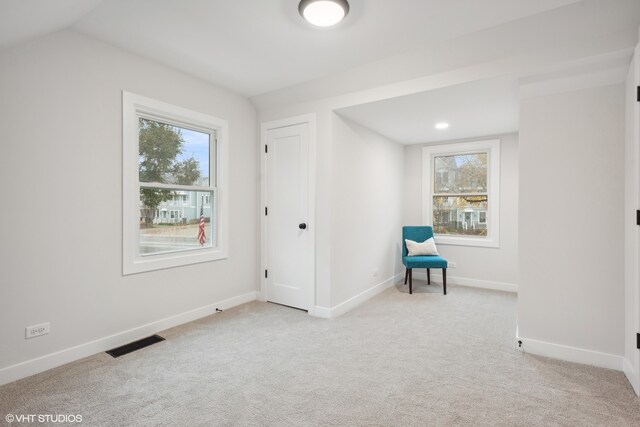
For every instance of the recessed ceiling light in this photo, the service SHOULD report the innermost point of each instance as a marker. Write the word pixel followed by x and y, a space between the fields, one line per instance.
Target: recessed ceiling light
pixel 323 13
pixel 442 125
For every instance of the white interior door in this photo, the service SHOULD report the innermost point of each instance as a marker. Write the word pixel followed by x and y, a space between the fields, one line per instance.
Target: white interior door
pixel 288 281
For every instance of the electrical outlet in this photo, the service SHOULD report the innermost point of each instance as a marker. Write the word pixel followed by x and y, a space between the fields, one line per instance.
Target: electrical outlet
pixel 451 264
pixel 519 344
pixel 37 330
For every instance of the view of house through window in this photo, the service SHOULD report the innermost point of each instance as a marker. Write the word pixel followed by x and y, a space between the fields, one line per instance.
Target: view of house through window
pixel 460 194
pixel 173 167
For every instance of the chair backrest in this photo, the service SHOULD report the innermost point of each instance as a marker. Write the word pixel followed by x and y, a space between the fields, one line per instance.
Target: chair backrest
pixel 417 233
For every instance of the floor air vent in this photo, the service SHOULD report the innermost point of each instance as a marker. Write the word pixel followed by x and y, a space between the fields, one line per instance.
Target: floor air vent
pixel 133 346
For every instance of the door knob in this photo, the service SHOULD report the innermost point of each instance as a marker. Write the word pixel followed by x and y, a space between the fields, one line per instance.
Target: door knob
pixel 302 226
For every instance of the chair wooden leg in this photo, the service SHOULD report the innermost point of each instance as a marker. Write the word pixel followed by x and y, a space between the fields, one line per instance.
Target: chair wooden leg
pixel 428 276
pixel 444 280
pixel 410 281
pixel 406 276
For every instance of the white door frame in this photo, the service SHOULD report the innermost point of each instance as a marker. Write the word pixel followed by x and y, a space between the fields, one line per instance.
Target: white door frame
pixel 310 120
pixel 635 315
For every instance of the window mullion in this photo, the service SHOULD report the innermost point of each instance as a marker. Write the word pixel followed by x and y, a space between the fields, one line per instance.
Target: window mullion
pixel 161 186
pixel 459 194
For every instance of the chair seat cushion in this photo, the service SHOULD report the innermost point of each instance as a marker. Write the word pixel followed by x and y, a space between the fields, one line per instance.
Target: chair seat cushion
pixel 427 261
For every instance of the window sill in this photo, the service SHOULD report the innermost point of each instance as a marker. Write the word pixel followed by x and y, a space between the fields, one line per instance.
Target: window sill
pixel 160 262
pixel 467 241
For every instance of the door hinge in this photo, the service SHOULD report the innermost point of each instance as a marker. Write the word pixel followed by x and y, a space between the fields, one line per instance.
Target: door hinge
pixel 638 217
pixel 638 341
pixel 266 274
pixel 266 211
pixel 266 148
pixel 638 94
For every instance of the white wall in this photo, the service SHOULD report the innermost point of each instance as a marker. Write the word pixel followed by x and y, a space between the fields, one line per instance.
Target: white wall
pixel 632 232
pixel 367 171
pixel 61 176
pixel 489 267
pixel 571 225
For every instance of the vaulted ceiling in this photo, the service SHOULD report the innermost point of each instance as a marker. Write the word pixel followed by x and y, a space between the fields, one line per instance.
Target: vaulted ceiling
pixel 257 46
pixel 263 49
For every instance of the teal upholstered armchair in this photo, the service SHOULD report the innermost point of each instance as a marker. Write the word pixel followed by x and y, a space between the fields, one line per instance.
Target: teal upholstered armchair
pixel 420 234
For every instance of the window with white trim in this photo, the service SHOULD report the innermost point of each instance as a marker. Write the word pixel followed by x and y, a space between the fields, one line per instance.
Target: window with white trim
pixel 174 178
pixel 461 192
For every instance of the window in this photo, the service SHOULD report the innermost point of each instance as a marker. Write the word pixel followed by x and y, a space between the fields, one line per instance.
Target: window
pixel 174 159
pixel 461 192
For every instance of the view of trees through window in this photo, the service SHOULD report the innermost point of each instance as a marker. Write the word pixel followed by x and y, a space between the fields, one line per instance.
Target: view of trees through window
pixel 460 196
pixel 170 217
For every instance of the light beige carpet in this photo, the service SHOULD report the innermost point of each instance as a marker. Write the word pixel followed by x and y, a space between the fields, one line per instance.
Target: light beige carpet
pixel 399 359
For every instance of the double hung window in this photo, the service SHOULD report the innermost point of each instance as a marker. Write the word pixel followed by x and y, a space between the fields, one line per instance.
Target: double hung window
pixel 461 192
pixel 174 205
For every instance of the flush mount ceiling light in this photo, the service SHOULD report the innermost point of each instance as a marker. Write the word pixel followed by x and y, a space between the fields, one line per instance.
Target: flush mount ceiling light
pixel 442 125
pixel 323 13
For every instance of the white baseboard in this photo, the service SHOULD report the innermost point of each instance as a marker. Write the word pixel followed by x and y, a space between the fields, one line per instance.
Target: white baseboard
pixel 351 303
pixel 572 354
pixel 53 360
pixel 463 281
pixel 323 312
pixel 632 376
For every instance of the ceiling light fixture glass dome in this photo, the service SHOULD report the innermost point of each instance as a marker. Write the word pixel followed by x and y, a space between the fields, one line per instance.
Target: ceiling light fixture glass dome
pixel 323 13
